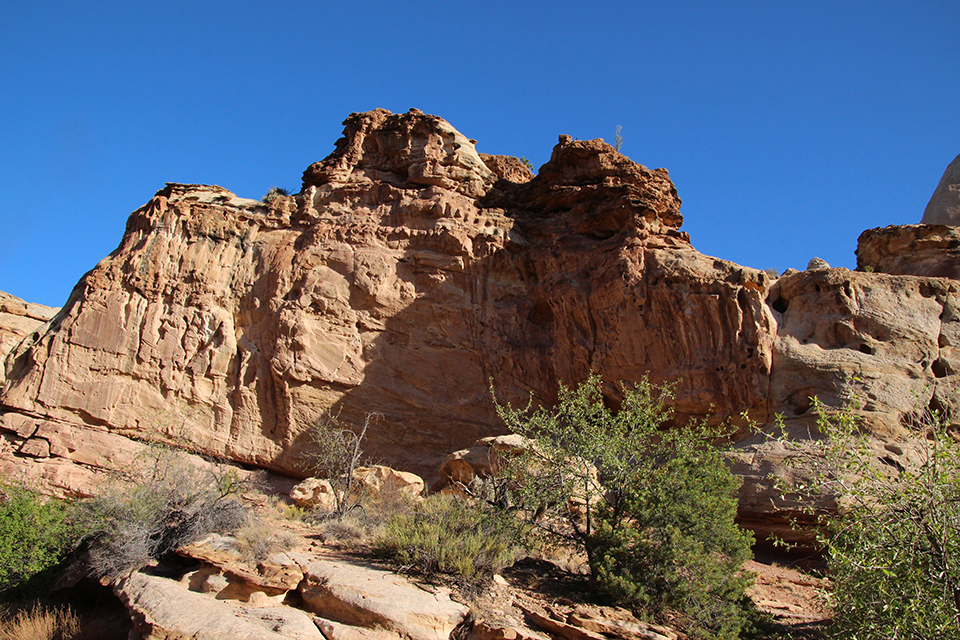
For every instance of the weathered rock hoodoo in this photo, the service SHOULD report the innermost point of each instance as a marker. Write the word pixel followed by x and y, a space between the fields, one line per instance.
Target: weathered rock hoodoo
pixel 408 273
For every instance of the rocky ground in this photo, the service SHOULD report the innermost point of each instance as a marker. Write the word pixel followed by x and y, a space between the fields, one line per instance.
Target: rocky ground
pixel 292 579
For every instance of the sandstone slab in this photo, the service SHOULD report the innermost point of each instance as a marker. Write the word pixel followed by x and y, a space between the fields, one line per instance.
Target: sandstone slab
pixel 274 575
pixel 162 609
pixel 364 596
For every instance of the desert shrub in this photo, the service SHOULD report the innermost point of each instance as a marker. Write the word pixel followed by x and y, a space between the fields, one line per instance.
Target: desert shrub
pixel 446 535
pixel 167 502
pixel 258 540
pixel 893 547
pixel 351 527
pixel 35 534
pixel 653 508
pixel 335 455
pixel 274 192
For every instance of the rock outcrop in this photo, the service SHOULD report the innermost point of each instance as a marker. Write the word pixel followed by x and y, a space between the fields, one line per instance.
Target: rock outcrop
pixel 161 609
pixel 17 320
pixel 911 250
pixel 402 279
pixel 408 275
pixel 944 205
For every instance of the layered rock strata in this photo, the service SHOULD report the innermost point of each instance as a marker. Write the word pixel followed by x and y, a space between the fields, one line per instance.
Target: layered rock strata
pixel 17 320
pixel 403 279
pixel 409 275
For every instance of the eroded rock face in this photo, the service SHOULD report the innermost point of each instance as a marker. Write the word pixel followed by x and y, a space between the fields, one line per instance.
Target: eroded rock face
pixel 911 250
pixel 17 320
pixel 411 272
pixel 403 278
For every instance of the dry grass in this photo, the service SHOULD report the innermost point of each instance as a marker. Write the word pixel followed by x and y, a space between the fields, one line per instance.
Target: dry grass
pixel 40 623
pixel 258 540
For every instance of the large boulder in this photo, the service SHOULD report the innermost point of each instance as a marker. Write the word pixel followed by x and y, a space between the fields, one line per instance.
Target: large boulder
pixel 362 596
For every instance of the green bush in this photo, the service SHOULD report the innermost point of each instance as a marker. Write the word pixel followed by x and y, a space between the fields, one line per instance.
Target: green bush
pixel 446 535
pixel 893 549
pixel 166 503
pixel 35 534
pixel 653 508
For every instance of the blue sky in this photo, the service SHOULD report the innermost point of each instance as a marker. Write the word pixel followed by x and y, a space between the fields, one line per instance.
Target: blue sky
pixel 788 128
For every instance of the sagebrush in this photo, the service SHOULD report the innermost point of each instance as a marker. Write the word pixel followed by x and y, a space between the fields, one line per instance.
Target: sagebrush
pixel 168 501
pixel 444 534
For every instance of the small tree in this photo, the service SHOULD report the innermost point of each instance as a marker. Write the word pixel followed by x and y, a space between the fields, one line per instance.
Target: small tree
pixel 336 455
pixel 653 508
pixel 893 548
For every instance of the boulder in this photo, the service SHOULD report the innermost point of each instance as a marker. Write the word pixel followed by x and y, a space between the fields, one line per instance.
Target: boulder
pixel 162 609
pixel 944 205
pixel 480 460
pixel 379 483
pixel 362 596
pixel 314 493
pixel 231 574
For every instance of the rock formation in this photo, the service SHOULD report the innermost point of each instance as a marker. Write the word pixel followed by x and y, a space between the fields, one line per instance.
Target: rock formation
pixel 17 320
pixel 944 205
pixel 911 250
pixel 403 278
pixel 408 275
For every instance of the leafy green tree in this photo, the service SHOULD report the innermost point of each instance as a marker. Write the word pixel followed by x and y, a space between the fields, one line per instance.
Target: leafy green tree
pixel 35 534
pixel 893 547
pixel 652 507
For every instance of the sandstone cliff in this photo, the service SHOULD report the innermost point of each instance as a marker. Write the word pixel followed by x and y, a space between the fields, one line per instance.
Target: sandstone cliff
pixel 408 273
pixel 18 319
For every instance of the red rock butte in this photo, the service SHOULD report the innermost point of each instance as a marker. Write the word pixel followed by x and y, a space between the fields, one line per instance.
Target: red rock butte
pixel 411 272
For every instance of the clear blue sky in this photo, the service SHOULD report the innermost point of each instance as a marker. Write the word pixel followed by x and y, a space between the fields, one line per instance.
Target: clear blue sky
pixel 788 127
